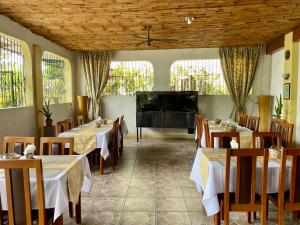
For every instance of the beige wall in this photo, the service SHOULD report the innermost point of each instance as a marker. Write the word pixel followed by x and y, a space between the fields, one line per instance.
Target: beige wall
pixel 21 121
pixel 212 106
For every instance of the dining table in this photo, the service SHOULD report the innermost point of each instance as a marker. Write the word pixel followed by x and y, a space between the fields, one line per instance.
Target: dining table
pixel 208 173
pixel 245 134
pixel 89 137
pixel 64 177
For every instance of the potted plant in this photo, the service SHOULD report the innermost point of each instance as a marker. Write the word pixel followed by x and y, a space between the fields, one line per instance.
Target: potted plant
pixel 46 112
pixel 278 107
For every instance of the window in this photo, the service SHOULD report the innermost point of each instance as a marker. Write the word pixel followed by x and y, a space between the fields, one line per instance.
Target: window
pixel 128 77
pixel 12 76
pixel 204 76
pixel 54 78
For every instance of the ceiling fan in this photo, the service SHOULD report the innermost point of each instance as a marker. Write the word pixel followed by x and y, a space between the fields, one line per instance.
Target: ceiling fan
pixel 148 40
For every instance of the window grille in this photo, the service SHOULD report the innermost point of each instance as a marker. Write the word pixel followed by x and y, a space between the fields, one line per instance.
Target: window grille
pixel 126 78
pixel 12 76
pixel 204 76
pixel 54 77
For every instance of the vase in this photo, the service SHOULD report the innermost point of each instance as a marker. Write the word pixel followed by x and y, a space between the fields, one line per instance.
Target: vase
pixel 49 122
pixel 264 107
pixel 82 106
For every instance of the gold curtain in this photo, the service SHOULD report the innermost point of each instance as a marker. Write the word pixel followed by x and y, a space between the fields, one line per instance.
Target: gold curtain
pixel 239 66
pixel 96 69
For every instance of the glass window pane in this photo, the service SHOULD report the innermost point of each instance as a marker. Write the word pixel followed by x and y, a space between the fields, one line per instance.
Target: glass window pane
pixel 127 77
pixel 204 76
pixel 12 76
pixel 54 78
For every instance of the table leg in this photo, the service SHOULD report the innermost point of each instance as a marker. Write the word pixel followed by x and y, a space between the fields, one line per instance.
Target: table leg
pixel 137 134
pixel 217 219
pixel 78 211
pixel 141 132
pixel 101 165
pixel 59 220
pixel 71 209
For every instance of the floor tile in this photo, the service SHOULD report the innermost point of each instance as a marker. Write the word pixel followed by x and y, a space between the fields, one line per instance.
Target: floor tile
pixel 108 204
pixel 172 218
pixel 137 218
pixel 168 191
pixel 139 205
pixel 142 191
pixel 170 204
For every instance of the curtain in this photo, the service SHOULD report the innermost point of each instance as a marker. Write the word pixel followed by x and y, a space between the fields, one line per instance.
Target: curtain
pixel 96 69
pixel 239 66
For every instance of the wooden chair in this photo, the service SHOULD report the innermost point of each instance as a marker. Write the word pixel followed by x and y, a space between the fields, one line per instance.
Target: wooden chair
pixel 243 120
pixel 80 120
pixel 288 200
pixel 199 128
pixel 253 123
pixel 266 139
pixel 65 125
pixel 56 146
pixel 122 135
pixel 19 195
pixel 274 125
pixel 286 131
pixel 16 144
pixel 244 198
pixel 206 133
pixel 112 147
pixel 224 138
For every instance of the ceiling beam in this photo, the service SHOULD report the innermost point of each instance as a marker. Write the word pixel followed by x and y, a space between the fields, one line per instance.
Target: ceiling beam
pixel 278 43
pixel 296 33
pixel 275 44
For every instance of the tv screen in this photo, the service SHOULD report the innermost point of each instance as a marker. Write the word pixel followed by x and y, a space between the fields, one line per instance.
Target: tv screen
pixel 185 101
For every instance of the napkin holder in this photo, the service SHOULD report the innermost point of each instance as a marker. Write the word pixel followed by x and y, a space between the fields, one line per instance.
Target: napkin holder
pixel 29 151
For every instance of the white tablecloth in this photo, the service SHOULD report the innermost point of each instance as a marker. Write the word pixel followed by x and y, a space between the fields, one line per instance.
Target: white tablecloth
pixel 102 137
pixel 55 188
pixel 215 182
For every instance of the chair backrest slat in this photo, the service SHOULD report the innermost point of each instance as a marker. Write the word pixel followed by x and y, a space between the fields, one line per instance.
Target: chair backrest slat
pixel 206 133
pixel 245 177
pixel 286 131
pixel 292 155
pixel 224 138
pixel 60 142
pixel 23 167
pixel 243 120
pixel 199 127
pixel 80 120
pixel 10 141
pixel 253 123
pixel 65 125
pixel 274 125
pixel 266 139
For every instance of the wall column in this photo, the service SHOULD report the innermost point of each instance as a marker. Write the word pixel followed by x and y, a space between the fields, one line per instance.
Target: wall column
pixel 38 88
pixel 291 68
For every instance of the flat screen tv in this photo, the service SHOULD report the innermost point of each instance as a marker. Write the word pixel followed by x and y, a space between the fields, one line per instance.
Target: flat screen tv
pixel 166 109
pixel 184 101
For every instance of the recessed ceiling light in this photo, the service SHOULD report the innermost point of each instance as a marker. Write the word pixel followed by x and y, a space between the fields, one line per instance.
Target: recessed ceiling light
pixel 189 19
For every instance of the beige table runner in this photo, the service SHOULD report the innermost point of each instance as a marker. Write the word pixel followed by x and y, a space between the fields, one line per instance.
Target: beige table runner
pixel 85 137
pixel 52 166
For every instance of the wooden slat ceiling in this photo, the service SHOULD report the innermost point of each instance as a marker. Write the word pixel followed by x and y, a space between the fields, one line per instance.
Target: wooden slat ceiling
pixel 109 24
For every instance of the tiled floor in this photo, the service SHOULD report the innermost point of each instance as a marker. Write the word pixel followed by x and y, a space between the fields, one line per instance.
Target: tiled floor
pixel 151 186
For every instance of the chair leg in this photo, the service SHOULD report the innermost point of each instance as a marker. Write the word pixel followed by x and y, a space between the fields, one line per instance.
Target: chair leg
pixel 263 217
pixel 71 209
pixel 78 211
pixel 101 165
pixel 249 217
